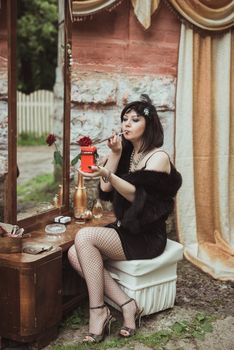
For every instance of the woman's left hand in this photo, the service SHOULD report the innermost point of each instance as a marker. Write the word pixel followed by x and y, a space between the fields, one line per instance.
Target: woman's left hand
pixel 96 171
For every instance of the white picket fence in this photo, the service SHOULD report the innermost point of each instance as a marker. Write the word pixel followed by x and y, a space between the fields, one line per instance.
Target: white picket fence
pixel 35 112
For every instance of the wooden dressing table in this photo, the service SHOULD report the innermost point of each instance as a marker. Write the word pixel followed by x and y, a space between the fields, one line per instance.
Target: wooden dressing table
pixel 36 291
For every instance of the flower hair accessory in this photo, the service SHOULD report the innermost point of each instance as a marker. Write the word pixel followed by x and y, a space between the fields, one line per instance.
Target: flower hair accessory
pixel 146 111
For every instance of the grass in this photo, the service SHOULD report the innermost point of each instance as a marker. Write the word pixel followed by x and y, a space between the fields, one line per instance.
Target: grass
pixel 195 329
pixel 39 189
pixel 77 319
pixel 30 139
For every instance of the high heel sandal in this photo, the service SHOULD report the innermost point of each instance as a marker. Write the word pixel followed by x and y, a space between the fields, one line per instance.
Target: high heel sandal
pixel 97 338
pixel 138 314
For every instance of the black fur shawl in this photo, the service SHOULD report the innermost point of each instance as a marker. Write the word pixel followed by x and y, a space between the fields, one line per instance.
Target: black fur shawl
pixel 153 199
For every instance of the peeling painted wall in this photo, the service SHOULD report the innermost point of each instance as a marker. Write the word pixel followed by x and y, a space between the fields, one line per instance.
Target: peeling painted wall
pixel 114 64
pixel 97 101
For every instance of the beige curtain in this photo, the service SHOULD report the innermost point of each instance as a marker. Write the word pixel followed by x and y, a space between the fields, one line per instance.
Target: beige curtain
pixel 206 14
pixel 143 9
pixel 90 7
pixel 205 151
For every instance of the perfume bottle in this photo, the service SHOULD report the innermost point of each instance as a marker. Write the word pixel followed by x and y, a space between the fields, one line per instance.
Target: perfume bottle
pixel 55 201
pixel 60 196
pixel 80 199
pixel 97 209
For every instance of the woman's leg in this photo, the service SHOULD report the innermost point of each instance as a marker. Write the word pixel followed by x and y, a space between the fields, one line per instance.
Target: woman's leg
pixel 73 259
pixel 111 288
pixel 86 257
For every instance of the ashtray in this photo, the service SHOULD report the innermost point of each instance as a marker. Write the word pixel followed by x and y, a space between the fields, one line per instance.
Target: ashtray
pixel 54 229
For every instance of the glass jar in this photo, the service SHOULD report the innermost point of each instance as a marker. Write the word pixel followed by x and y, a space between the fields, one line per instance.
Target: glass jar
pixel 97 209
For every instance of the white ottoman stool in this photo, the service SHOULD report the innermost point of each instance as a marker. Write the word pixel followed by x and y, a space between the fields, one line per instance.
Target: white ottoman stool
pixel 151 282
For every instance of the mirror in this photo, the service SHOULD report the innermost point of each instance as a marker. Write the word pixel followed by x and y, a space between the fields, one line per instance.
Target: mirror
pixel 40 60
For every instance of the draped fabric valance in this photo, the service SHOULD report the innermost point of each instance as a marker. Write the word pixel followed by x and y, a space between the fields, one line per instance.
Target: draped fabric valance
pixel 143 9
pixel 205 14
pixel 82 8
pixel 89 7
pixel 209 15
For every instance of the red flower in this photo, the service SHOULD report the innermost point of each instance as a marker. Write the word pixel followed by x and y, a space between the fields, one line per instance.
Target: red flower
pixel 85 141
pixel 50 140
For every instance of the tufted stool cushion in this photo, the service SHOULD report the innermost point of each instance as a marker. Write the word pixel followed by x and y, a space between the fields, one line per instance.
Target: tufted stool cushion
pixel 151 282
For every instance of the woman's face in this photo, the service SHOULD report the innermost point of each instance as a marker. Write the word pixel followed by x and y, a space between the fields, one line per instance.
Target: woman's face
pixel 133 126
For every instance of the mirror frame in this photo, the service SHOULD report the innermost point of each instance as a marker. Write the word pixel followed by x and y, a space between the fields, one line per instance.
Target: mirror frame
pixel 10 210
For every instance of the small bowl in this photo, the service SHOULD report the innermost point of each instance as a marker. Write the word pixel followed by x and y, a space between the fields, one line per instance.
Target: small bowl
pixel 55 229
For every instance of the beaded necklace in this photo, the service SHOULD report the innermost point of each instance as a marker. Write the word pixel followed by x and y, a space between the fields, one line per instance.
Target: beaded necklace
pixel 134 163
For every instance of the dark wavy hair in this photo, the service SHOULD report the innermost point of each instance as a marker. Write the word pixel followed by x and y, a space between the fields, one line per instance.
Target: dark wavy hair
pixel 153 135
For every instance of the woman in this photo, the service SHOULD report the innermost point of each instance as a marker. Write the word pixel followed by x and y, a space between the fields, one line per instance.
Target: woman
pixel 141 181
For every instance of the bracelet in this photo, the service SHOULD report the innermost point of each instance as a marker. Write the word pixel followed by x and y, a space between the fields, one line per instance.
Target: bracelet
pixel 106 179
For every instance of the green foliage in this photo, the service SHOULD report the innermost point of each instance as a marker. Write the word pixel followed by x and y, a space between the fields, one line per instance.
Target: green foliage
pixel 78 157
pixel 30 139
pixel 39 189
pixel 195 329
pixel 159 338
pixel 109 343
pixel 75 160
pixel 58 159
pixel 77 319
pixel 37 35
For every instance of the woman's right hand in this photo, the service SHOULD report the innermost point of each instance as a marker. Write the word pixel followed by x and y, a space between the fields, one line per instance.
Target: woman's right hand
pixel 115 143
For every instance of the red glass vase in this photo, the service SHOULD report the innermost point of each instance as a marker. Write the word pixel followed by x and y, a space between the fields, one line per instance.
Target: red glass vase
pixel 88 158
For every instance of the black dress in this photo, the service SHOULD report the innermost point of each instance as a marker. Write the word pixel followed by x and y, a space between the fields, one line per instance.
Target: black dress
pixel 141 224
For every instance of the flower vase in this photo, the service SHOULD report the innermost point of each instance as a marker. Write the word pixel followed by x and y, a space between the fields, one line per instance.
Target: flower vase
pixel 88 158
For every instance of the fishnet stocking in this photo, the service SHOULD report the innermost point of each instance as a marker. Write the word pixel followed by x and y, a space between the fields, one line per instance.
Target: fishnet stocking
pixel 86 257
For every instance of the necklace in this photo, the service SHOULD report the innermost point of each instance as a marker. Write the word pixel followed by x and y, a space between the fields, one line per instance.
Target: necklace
pixel 134 163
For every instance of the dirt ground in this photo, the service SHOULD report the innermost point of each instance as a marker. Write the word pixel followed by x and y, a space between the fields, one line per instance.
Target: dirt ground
pixel 196 292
